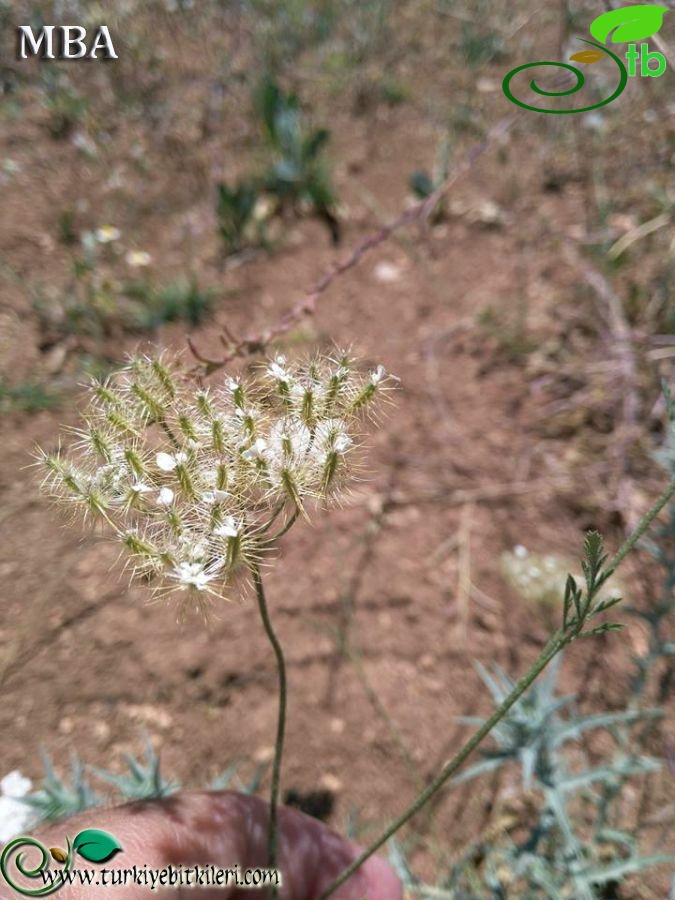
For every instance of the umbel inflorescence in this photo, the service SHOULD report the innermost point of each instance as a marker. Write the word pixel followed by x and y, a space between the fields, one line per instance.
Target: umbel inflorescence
pixel 194 481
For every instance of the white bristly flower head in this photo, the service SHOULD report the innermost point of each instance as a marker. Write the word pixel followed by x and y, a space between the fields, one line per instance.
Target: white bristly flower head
pixel 192 480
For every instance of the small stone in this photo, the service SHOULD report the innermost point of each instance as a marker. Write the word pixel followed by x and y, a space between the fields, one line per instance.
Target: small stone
pixel 330 783
pixel 387 273
pixel 149 715
pixel 263 755
pixel 101 730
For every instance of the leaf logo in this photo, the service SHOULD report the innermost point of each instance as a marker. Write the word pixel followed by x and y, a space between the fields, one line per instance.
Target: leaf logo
pixel 587 57
pixel 95 845
pixel 631 23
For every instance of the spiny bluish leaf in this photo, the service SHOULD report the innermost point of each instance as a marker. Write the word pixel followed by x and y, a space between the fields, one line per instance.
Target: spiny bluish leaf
pixel 629 23
pixel 607 774
pixel 400 864
pixel 487 679
pixel 617 836
pixel 222 782
pixel 253 784
pixel 574 728
pixel 670 403
pixel 144 781
pixel 617 870
pixel 486 765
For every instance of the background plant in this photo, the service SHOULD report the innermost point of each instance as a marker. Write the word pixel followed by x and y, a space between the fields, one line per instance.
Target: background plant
pixel 297 176
pixel 570 835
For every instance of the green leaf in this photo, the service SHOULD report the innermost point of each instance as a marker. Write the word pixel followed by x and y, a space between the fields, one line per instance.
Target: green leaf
pixel 95 845
pixel 602 629
pixel 422 184
pixel 630 23
pixel 604 605
pixel 572 595
pixel 312 145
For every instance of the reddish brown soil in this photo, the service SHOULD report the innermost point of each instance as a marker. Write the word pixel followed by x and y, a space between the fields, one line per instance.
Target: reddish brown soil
pixel 464 466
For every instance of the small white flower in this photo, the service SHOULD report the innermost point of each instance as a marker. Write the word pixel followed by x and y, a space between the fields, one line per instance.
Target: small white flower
pixel 165 497
pixel 255 451
pixel 378 375
pixel 289 439
pixel 107 234
pixel 140 487
pixel 167 462
pixel 215 496
pixel 249 412
pixel 227 528
pixel 137 259
pixel 520 552
pixel 276 369
pixel 332 435
pixel 193 549
pixel 15 816
pixel 192 575
pixel 15 784
pixel 342 443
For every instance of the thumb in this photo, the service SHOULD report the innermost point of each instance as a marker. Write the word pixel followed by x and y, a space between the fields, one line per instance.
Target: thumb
pixel 229 831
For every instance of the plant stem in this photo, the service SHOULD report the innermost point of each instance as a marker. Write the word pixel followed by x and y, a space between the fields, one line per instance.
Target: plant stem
pixel 281 722
pixel 555 644
pixel 640 528
pixel 287 527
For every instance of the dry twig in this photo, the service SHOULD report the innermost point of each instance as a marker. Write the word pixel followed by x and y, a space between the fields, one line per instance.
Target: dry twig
pixel 419 212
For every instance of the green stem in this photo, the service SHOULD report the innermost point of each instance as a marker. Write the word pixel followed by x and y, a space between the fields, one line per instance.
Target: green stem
pixel 556 643
pixel 169 433
pixel 281 722
pixel 640 529
pixel 266 527
pixel 287 527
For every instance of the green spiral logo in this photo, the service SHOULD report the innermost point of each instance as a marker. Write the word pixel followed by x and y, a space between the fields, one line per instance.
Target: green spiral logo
pixel 21 843
pixel 580 80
